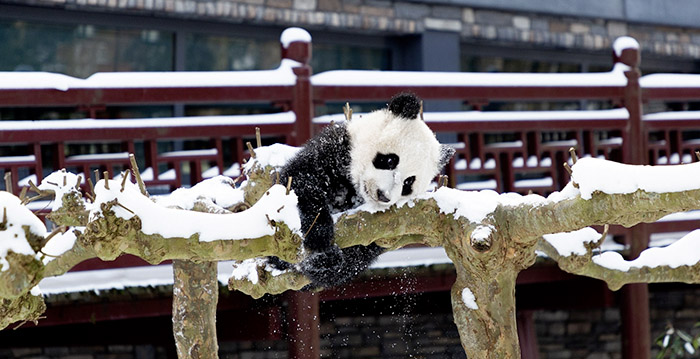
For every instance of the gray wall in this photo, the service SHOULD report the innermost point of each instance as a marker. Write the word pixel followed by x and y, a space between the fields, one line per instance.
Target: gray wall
pixel 665 12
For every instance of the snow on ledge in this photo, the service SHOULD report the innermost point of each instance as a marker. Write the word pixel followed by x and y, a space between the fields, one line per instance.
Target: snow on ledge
pixel 615 78
pixel 478 116
pixel 165 122
pixel 281 76
pixel 669 80
pixel 593 174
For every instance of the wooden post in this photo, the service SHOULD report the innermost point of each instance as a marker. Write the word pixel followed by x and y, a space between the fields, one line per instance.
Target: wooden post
pixel 634 306
pixel 303 325
pixel 527 335
pixel 302 101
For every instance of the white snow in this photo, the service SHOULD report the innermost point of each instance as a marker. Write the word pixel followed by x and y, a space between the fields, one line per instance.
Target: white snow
pixel 14 238
pixel 293 34
pixel 468 299
pixel 60 243
pixel 281 76
pixel 275 155
pixel 247 269
pixel 218 191
pixel 61 183
pixel 412 257
pixel 534 182
pixel 119 278
pixel 479 116
pixel 593 174
pixel 669 81
pixel 685 251
pixel 615 78
pixel 202 152
pixel 673 115
pixel 477 185
pixel 462 203
pixel 166 122
pixel 482 233
pixel 106 279
pixel 572 243
pixel 624 42
pixel 168 222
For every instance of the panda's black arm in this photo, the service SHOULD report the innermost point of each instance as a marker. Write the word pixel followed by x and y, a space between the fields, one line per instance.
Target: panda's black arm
pixel 315 215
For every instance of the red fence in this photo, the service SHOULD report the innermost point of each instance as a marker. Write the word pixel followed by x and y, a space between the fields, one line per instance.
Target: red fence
pixel 504 150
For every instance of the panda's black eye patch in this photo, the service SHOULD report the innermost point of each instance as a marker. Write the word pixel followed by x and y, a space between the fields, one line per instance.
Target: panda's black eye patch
pixel 385 162
pixel 408 186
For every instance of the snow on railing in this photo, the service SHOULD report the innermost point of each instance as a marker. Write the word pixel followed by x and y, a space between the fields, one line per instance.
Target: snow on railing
pixel 615 78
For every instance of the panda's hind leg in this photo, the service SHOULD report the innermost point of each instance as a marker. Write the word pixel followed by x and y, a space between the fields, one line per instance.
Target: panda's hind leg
pixel 336 266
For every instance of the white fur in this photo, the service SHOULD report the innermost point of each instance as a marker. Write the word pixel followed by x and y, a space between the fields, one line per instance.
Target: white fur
pixel 411 140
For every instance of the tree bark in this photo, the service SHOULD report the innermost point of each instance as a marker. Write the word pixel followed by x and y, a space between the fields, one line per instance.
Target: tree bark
pixel 195 295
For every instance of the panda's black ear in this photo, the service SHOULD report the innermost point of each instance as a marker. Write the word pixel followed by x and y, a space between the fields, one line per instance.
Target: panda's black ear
pixel 405 105
pixel 446 153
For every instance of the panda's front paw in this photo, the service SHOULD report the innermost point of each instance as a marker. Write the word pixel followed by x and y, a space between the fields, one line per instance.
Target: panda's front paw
pixel 325 268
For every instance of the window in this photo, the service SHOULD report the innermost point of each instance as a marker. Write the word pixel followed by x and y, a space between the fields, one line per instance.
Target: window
pixel 82 50
pixel 226 53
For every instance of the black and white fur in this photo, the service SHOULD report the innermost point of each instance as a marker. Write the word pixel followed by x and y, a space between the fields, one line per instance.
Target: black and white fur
pixel 380 158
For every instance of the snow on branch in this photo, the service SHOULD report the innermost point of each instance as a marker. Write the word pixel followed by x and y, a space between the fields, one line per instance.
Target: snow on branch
pixel 678 262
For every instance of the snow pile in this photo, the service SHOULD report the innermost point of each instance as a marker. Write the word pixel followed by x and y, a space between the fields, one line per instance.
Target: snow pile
pixel 684 252
pixel 248 269
pixel 276 155
pixel 218 191
pixel 14 216
pixel 275 205
pixel 61 183
pixel 572 243
pixel 623 43
pixel 294 34
pixel 593 174
pixel 60 243
pixel 468 299
pixel 475 206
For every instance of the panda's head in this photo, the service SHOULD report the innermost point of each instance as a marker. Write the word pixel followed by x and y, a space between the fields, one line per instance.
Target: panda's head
pixel 394 154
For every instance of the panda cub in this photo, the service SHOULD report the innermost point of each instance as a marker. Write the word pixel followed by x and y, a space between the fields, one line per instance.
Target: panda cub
pixel 380 158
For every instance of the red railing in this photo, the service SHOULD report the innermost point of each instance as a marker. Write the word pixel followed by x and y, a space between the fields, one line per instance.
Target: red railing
pixel 505 150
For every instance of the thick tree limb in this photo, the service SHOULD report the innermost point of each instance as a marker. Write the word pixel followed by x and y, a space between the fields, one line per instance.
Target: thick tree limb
pixel 585 266
pixel 527 223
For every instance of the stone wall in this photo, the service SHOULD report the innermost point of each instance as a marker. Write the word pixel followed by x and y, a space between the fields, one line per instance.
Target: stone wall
pixel 383 17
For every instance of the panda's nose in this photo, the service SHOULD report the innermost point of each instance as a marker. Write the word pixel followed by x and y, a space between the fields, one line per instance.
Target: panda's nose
pixel 381 197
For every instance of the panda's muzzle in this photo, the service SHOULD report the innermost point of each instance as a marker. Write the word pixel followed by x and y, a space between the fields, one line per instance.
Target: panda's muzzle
pixel 381 197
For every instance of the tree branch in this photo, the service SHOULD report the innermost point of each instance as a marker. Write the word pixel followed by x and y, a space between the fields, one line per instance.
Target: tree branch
pixel 587 265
